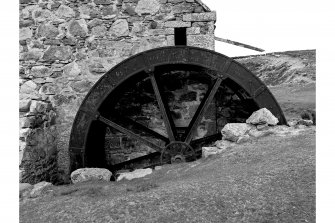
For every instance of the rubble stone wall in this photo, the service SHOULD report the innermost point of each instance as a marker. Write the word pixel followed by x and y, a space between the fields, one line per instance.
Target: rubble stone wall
pixel 67 45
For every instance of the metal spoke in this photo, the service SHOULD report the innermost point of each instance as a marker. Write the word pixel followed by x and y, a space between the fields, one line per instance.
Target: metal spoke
pixel 129 133
pixel 168 121
pixel 201 110
pixel 141 127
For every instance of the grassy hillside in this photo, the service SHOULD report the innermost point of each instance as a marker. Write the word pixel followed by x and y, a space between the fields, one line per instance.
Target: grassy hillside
pixel 290 76
pixel 290 68
pixel 268 180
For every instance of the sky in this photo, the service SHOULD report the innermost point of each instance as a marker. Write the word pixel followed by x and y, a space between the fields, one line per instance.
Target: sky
pixel 270 25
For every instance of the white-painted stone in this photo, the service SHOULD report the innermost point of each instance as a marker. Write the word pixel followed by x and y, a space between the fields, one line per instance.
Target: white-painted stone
pixel 138 173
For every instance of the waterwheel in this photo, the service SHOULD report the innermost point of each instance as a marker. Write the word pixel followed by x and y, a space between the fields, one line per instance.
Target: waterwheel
pixel 161 106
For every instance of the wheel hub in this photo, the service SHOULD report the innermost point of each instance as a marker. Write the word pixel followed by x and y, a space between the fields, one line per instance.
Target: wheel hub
pixel 177 152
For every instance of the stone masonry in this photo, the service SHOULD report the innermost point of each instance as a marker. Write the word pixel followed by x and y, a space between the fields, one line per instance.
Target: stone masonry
pixel 67 45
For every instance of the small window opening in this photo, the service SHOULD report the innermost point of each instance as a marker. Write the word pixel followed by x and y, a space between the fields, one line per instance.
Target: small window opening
pixel 180 37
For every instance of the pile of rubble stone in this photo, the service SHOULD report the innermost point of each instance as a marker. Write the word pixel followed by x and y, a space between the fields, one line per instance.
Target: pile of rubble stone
pixel 261 123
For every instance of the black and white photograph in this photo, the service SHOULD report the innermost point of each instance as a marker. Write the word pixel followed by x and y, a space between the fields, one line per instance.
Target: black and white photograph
pixel 168 111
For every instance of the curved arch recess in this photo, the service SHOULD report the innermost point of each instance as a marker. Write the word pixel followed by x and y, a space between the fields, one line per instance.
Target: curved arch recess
pixel 223 65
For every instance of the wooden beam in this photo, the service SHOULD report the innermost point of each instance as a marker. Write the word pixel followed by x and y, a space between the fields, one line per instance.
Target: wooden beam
pixel 239 44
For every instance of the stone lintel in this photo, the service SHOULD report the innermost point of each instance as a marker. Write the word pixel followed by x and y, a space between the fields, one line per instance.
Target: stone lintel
pixel 177 24
pixel 200 17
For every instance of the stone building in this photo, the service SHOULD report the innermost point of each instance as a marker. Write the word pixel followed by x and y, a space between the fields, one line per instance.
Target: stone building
pixel 67 45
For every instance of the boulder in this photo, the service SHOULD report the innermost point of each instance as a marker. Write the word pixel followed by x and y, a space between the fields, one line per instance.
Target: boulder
pixel 233 131
pixel 209 151
pixel 39 188
pixel 262 116
pixel 87 174
pixel 135 174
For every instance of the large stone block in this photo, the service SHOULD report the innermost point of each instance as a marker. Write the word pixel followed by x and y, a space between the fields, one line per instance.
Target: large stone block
pixel 78 28
pixel 202 41
pixel 24 105
pixel 119 28
pixel 82 86
pixel 193 30
pixel 47 30
pixel 71 69
pixel 109 12
pixel 65 12
pixel 40 71
pixel 28 87
pixel 39 106
pixel 88 174
pixel 176 24
pixel 200 17
pixel 147 7
pixel 25 33
pixel 104 2
pixel 99 30
pixel 33 54
pixel 57 53
pixel 182 8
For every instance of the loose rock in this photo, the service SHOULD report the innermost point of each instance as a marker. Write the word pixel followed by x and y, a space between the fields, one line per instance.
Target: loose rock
pixel 135 174
pixel 262 116
pixel 87 174
pixel 233 131
pixel 224 144
pixel 25 189
pixel 209 151
pixel 39 188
